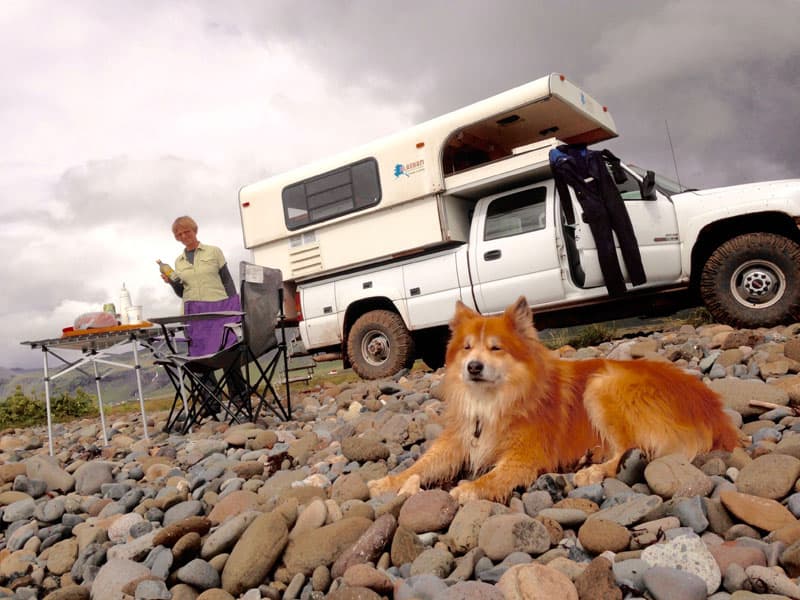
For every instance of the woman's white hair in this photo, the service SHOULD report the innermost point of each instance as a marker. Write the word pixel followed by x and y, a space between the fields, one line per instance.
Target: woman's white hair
pixel 185 220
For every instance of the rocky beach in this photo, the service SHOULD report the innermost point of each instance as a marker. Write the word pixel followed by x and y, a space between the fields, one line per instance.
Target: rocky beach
pixel 281 510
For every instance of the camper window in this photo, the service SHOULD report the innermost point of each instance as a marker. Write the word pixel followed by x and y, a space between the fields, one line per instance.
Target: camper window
pixel 331 195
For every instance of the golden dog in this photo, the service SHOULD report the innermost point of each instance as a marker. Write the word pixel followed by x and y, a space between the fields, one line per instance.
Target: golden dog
pixel 515 411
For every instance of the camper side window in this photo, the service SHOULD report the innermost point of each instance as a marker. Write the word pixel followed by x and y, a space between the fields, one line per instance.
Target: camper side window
pixel 335 193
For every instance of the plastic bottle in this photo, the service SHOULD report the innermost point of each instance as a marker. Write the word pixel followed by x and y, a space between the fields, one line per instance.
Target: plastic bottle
pixel 168 271
pixel 124 304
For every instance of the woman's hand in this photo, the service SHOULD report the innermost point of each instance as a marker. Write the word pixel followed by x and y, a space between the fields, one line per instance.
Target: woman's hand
pixel 165 278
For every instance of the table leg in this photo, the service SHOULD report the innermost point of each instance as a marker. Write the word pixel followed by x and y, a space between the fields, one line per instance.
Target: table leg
pixel 138 370
pixel 47 402
pixel 100 403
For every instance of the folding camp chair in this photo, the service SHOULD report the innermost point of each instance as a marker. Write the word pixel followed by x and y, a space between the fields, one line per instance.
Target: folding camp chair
pixel 209 384
pixel 222 384
pixel 264 337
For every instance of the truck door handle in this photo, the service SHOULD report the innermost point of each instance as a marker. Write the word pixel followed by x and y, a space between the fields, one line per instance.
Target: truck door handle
pixel 492 255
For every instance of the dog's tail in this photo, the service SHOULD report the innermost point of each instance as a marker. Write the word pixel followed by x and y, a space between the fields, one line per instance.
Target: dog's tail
pixel 726 436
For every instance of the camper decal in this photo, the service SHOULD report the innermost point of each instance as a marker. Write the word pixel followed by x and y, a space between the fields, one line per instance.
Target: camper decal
pixel 409 169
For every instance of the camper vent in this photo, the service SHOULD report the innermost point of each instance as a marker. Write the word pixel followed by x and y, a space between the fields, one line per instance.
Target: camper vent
pixel 305 260
pixel 302 239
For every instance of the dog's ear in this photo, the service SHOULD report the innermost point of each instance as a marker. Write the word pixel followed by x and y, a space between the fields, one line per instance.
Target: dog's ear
pixel 462 312
pixel 521 317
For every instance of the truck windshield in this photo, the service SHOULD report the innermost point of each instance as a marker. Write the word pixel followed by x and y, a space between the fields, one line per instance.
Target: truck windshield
pixel 665 185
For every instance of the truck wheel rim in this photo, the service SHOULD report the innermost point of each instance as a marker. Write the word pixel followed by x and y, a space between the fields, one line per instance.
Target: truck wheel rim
pixel 758 284
pixel 375 348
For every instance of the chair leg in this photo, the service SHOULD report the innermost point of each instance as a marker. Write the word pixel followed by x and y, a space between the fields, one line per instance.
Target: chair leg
pixel 269 398
pixel 239 394
pixel 285 351
pixel 217 397
pixel 179 406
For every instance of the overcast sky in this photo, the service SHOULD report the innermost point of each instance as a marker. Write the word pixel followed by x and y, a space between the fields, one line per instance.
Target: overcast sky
pixel 117 116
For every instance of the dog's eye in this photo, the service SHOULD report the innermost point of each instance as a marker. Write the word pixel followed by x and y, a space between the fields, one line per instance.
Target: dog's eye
pixel 467 346
pixel 495 348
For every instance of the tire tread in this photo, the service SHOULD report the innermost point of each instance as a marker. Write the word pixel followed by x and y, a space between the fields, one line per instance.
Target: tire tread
pixel 392 323
pixel 779 249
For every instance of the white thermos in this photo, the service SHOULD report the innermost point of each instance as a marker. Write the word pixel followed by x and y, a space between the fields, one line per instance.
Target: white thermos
pixel 124 304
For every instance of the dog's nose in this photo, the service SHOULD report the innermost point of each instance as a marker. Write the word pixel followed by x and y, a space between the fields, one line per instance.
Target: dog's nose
pixel 474 367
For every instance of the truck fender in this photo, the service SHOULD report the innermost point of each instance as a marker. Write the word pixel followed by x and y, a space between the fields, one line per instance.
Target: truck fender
pixel 697 216
pixel 715 232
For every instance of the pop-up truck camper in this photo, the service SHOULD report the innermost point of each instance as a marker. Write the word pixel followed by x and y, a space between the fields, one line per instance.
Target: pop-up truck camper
pixel 377 243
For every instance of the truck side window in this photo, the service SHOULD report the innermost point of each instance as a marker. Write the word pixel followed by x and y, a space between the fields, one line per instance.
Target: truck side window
pixel 520 212
pixel 335 193
pixel 628 189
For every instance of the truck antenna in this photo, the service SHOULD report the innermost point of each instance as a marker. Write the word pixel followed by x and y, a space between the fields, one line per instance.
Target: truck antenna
pixel 672 150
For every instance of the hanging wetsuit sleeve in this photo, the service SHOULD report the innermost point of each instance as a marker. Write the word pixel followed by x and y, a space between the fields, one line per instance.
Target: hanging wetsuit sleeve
pixel 616 168
pixel 568 225
pixel 565 199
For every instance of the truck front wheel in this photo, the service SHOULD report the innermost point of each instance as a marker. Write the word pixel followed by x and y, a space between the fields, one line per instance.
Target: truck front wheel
pixel 753 280
pixel 379 345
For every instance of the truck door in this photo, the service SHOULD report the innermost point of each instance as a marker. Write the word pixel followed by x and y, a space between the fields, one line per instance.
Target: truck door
pixel 514 249
pixel 656 229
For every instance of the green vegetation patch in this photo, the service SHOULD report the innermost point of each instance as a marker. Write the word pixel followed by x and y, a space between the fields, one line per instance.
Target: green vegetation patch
pixel 20 410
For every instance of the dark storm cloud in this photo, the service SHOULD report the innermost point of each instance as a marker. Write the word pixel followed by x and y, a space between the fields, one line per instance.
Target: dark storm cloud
pixel 459 51
pixel 723 75
pixel 723 81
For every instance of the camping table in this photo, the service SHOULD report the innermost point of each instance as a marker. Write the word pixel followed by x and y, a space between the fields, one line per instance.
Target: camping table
pixel 96 346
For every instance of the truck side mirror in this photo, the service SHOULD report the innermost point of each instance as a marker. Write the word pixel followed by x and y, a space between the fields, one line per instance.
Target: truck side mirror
pixel 649 186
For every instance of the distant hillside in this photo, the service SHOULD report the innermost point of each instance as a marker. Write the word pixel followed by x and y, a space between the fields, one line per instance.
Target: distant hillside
pixel 118 385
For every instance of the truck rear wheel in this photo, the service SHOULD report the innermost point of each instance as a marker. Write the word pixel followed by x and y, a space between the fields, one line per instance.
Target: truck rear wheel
pixel 753 280
pixel 379 345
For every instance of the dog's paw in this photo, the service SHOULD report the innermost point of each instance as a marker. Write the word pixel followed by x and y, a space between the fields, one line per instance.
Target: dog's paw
pixel 464 492
pixel 379 486
pixel 411 486
pixel 589 476
pixel 394 483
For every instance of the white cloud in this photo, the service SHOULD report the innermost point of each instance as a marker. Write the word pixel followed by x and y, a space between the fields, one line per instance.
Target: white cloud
pixel 116 124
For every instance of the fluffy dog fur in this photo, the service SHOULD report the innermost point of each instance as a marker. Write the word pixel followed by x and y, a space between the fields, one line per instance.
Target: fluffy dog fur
pixel 515 411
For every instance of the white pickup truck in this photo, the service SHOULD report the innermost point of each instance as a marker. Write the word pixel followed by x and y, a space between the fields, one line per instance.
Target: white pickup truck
pixel 376 245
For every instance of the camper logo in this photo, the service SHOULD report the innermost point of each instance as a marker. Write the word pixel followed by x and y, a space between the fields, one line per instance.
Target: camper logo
pixel 409 169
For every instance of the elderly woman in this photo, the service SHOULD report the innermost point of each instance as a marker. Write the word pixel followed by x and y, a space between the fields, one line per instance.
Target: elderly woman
pixel 205 285
pixel 203 272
